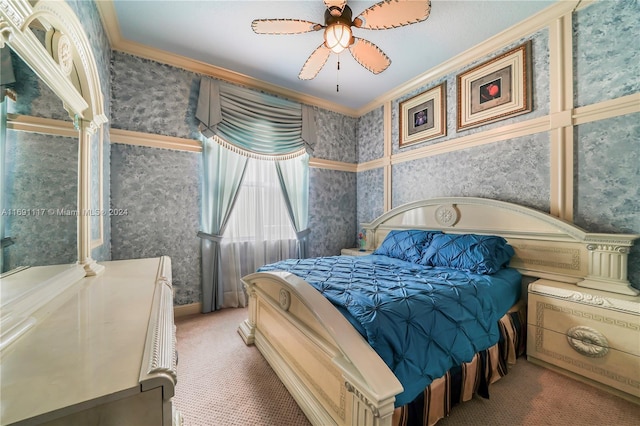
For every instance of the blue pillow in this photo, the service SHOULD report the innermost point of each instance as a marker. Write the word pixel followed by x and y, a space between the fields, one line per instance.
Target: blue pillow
pixel 405 245
pixel 480 254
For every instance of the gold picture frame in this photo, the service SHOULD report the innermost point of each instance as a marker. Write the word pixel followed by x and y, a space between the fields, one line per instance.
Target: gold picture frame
pixel 423 116
pixel 496 89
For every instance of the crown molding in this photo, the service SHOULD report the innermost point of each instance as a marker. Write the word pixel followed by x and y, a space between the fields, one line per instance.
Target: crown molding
pixel 479 51
pixel 112 27
pixel 522 29
pixel 110 22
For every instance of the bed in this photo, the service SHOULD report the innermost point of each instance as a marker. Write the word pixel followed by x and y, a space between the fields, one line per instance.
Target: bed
pixel 324 346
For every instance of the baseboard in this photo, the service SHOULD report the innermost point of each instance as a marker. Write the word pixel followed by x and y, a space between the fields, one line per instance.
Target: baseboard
pixel 184 310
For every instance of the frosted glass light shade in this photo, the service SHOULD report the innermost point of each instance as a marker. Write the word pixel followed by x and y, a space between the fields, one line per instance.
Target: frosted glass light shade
pixel 337 37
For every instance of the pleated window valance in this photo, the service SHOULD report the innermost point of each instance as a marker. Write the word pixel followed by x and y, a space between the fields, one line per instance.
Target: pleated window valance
pixel 252 123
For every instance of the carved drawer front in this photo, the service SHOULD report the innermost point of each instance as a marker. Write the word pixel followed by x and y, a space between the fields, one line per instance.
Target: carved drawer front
pixel 621 329
pixel 600 344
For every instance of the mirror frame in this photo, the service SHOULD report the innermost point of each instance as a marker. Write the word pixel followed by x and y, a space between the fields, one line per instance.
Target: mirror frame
pixel 68 54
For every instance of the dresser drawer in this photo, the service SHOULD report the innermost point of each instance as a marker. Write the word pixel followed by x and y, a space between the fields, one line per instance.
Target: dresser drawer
pixel 621 330
pixel 612 367
pixel 592 334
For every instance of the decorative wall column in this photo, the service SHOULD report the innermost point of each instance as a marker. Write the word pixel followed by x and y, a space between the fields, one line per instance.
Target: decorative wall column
pixel 388 202
pixel 247 328
pixel 561 116
pixel 607 260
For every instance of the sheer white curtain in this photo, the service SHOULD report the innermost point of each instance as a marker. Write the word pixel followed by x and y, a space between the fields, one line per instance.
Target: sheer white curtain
pixel 258 231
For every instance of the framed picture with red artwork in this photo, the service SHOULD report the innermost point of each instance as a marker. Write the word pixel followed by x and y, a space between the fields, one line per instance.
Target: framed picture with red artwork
pixel 496 89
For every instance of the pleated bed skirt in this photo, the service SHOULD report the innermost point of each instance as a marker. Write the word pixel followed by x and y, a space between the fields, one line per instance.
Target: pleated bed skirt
pixel 461 383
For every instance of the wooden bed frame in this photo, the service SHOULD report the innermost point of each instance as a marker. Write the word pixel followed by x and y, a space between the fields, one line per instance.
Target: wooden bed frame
pixel 332 372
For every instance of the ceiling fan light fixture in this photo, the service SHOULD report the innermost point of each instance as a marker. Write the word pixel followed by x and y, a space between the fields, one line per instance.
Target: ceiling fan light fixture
pixel 338 37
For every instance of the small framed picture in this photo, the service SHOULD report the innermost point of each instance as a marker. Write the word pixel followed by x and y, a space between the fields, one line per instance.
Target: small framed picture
pixel 423 117
pixel 496 89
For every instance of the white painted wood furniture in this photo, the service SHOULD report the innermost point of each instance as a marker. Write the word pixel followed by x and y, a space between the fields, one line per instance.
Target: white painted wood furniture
pixel 87 343
pixel 590 335
pixel 100 351
pixel 354 252
pixel 327 366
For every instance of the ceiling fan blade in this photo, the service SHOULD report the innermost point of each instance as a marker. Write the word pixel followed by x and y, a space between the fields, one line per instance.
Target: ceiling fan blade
pixel 314 63
pixel 393 14
pixel 369 55
pixel 284 26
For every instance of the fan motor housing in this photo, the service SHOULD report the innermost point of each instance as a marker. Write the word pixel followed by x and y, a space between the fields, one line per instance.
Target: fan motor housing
pixel 344 18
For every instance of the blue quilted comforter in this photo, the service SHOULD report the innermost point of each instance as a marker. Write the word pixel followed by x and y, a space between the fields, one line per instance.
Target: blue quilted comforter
pixel 422 321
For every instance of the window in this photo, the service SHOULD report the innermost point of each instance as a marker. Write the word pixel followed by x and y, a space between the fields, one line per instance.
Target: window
pixel 258 231
pixel 260 213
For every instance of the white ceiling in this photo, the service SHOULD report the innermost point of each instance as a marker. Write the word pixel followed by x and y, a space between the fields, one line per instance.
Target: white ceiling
pixel 219 33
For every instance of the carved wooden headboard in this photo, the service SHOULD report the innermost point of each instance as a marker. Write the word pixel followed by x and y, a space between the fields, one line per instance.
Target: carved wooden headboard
pixel 545 246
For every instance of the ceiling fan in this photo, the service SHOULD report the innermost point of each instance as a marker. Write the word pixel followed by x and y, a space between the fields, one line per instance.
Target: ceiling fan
pixel 338 34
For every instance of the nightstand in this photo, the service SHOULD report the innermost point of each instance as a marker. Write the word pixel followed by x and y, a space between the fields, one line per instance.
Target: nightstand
pixel 590 335
pixel 354 252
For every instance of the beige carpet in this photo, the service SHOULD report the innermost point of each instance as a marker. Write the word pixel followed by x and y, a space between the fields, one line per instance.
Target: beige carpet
pixel 222 382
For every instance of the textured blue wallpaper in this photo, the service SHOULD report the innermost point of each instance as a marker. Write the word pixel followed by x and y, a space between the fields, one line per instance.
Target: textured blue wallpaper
pixel 607 197
pixel 153 98
pixel 336 136
pixel 42 184
pixel 370 195
pixel 606 36
pixel 34 97
pixel 41 174
pixel 160 190
pixel 369 133
pixel 332 211
pixel 516 171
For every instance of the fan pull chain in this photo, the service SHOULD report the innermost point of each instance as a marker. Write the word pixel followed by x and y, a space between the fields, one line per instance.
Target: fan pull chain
pixel 338 76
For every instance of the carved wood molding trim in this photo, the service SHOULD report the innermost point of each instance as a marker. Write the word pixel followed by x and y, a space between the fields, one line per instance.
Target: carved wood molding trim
pixel 163 358
pixel 545 245
pixel 338 408
pixel 160 365
pixel 589 299
pixel 582 364
pixel 374 410
pixel 588 341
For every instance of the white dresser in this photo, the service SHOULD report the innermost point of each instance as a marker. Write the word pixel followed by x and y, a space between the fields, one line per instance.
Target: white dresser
pixel 591 335
pixel 101 352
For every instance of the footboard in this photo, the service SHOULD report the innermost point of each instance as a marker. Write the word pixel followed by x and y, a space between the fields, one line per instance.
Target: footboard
pixel 329 369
